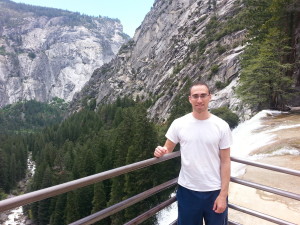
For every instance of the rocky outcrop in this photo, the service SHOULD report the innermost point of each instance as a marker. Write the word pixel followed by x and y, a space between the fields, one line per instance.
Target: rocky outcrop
pixel 46 53
pixel 178 42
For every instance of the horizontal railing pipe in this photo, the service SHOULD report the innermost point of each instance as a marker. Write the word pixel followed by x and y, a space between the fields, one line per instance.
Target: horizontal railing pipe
pixel 124 204
pixel 141 218
pixel 233 223
pixel 260 215
pixel 265 166
pixel 266 188
pixel 82 182
pixel 174 222
pixel 229 223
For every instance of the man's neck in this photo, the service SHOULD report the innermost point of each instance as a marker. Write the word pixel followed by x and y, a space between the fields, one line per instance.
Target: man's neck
pixel 202 115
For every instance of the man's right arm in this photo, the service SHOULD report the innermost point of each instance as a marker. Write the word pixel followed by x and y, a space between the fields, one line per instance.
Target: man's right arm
pixel 167 148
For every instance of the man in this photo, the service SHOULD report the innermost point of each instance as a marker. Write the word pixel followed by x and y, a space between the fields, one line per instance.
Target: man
pixel 203 181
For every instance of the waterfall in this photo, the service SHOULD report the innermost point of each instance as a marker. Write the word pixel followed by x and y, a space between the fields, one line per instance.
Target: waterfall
pixel 254 134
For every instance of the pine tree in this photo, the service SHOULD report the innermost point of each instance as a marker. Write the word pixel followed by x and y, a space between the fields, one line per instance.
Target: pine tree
pixel 22 158
pixel 100 199
pixel 44 205
pixel 12 171
pixel 72 212
pixel 58 215
pixel 85 198
pixel 124 135
pixel 84 166
pixel 143 143
pixel 264 82
pixel 36 185
pixel 3 171
pixel 180 105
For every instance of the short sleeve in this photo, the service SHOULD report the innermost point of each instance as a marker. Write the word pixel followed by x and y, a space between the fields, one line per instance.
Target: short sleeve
pixel 172 133
pixel 226 139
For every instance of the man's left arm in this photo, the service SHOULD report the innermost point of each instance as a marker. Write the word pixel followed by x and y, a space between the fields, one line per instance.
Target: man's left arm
pixel 221 201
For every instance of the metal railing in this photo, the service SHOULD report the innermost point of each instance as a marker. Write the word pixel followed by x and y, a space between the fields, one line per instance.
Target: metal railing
pixel 264 188
pixel 73 185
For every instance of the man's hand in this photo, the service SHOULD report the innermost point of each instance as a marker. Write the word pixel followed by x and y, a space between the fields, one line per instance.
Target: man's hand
pixel 220 204
pixel 160 151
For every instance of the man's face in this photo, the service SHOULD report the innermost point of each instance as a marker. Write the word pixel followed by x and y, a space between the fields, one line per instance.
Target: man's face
pixel 199 98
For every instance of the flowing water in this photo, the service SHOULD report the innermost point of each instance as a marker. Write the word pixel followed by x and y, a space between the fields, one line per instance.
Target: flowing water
pixel 16 216
pixel 270 137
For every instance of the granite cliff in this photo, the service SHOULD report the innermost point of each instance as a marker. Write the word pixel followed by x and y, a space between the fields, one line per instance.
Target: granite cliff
pixel 179 42
pixel 46 53
pixel 176 42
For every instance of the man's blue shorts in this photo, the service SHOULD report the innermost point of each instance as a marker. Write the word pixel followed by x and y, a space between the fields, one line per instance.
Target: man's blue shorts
pixel 194 206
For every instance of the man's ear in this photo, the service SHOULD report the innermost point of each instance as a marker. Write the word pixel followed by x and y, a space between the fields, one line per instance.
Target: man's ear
pixel 190 99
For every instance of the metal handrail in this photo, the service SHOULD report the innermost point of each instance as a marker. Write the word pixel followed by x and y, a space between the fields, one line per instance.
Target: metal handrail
pixel 82 182
pixel 72 185
pixel 266 188
pixel 151 212
pixel 141 218
pixel 233 223
pixel 124 204
pixel 260 215
pixel 229 223
pixel 265 166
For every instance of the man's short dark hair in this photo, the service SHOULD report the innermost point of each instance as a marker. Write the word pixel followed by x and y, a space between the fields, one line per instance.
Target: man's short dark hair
pixel 199 83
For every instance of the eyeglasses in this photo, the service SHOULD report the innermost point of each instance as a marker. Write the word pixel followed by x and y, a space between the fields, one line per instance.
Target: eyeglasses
pixel 202 96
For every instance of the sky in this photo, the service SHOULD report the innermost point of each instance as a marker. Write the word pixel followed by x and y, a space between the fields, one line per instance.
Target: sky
pixel 131 13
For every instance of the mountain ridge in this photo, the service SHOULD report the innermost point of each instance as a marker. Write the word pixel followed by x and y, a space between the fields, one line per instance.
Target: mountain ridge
pixel 161 57
pixel 46 52
pixel 180 42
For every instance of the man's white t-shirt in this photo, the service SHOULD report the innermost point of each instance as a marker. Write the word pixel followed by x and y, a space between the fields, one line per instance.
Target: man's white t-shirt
pixel 200 143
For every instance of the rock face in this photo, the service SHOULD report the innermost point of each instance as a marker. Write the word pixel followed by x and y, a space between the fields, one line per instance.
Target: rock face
pixel 46 53
pixel 178 42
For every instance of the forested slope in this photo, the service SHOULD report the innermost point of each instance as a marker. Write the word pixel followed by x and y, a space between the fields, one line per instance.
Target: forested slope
pixel 17 123
pixel 90 142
